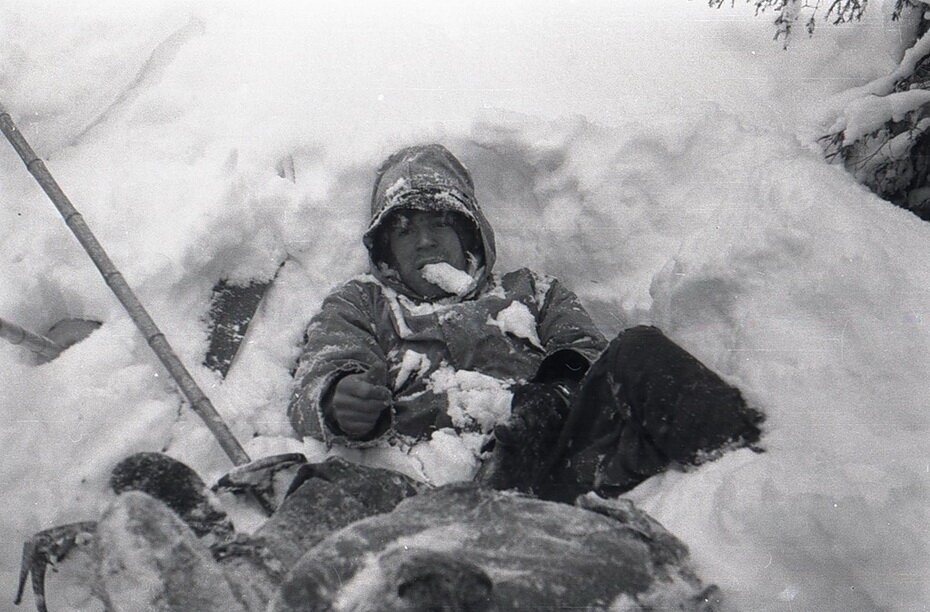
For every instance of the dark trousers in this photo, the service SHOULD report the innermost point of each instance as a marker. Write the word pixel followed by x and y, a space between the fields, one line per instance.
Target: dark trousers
pixel 645 404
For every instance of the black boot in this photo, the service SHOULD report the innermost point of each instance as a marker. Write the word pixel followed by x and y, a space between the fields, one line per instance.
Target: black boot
pixel 522 446
pixel 175 484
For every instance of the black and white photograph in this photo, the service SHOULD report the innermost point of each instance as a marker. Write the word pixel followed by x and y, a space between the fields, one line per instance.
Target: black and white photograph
pixel 465 306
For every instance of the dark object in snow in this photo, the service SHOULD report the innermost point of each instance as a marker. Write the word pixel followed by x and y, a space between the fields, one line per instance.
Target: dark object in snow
pixel 47 548
pixel 461 547
pixel 325 497
pixel 322 499
pixel 175 484
pixel 43 347
pixel 186 497
pixel 522 446
pixel 265 480
pixel 47 347
pixel 159 476
pixel 644 405
pixel 232 307
pixel 69 332
pixel 178 529
pixel 427 579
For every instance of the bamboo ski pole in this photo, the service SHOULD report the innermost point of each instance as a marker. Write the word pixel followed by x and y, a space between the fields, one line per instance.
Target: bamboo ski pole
pixel 155 338
pixel 34 342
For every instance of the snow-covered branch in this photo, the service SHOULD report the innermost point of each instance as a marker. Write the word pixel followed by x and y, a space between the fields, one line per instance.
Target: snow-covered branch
pixel 790 12
pixel 879 130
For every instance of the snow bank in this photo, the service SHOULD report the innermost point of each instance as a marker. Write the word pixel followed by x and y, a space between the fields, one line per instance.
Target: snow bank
pixel 668 188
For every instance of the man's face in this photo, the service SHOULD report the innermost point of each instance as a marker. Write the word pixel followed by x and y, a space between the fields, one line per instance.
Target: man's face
pixel 417 238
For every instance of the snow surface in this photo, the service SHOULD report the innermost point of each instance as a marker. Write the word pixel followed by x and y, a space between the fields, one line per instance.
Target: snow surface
pixel 653 155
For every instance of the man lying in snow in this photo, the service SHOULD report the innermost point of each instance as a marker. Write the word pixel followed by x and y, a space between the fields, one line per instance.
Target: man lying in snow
pixel 584 415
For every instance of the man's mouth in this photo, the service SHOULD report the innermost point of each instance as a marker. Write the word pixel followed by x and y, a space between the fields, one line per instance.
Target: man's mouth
pixel 448 278
pixel 429 260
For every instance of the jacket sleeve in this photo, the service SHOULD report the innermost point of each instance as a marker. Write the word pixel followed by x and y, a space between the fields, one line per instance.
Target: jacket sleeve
pixel 568 335
pixel 340 340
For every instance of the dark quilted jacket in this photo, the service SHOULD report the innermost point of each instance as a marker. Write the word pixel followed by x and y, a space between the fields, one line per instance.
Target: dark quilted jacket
pixel 504 328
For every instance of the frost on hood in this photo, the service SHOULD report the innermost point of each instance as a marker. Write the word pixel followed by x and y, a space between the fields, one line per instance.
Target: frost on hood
pixel 427 178
pixel 518 321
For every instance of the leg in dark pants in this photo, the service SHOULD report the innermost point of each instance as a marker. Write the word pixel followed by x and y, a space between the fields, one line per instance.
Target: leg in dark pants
pixel 644 404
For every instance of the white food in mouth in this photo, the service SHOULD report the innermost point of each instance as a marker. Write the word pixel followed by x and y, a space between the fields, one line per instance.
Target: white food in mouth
pixel 448 278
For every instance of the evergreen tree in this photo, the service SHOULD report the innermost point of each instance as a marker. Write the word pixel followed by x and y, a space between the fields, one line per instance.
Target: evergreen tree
pixel 881 130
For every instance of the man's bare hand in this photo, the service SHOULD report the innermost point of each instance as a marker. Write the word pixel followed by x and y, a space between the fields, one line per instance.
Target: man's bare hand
pixel 357 404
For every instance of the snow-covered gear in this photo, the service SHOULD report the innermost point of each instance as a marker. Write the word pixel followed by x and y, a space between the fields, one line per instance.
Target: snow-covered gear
pixel 325 497
pixel 173 493
pixel 508 327
pixel 150 560
pixel 49 547
pixel 461 547
pixel 264 480
pixel 372 539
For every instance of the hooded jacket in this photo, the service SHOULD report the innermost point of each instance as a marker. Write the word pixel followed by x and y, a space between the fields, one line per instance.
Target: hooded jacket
pixel 505 327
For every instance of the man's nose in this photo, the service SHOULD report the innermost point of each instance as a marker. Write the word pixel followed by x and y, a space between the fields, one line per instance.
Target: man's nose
pixel 425 238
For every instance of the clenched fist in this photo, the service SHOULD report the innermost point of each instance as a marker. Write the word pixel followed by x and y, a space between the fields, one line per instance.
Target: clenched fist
pixel 357 404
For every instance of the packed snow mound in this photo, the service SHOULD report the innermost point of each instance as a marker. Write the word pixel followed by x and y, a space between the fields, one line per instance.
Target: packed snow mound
pixel 476 401
pixel 709 220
